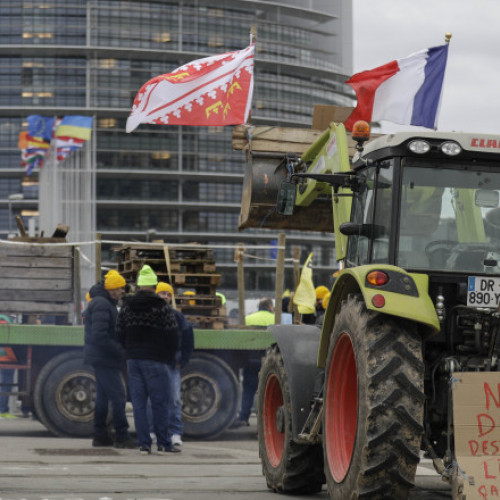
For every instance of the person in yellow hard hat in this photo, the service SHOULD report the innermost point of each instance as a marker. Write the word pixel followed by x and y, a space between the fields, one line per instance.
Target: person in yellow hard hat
pixel 184 351
pixel 321 291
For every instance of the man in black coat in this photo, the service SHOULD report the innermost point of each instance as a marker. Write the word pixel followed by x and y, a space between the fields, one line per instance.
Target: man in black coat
pixel 147 328
pixel 104 352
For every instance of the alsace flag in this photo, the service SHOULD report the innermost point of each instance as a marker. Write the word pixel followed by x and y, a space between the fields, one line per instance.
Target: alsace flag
pixel 406 91
pixel 214 91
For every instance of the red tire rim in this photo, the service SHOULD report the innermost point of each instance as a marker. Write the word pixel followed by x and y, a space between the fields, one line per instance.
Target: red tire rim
pixel 341 408
pixel 272 418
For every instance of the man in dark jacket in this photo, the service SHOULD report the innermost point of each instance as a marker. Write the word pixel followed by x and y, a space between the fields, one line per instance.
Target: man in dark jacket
pixel 147 328
pixel 104 352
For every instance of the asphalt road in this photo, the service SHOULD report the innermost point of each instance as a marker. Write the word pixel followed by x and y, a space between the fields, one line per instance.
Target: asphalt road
pixel 34 465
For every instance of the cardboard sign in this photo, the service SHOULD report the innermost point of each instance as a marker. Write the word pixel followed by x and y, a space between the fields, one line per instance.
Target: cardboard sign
pixel 476 414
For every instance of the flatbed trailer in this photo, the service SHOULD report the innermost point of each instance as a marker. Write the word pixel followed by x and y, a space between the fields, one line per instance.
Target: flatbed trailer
pixel 61 388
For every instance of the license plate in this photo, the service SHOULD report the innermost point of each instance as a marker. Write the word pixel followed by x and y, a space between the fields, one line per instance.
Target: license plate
pixel 483 292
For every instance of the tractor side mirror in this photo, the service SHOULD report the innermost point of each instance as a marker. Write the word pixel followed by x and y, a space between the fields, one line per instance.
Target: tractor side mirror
pixel 286 198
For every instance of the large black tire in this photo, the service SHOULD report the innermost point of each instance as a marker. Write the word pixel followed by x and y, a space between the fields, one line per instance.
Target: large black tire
pixel 373 405
pixel 64 396
pixel 210 396
pixel 288 467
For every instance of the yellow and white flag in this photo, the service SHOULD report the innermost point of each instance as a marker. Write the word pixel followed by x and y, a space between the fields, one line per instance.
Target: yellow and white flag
pixel 305 295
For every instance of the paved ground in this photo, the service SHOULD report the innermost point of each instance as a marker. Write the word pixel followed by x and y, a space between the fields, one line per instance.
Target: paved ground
pixel 37 466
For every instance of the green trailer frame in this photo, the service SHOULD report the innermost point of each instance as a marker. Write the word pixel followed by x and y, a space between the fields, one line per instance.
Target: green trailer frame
pixel 61 387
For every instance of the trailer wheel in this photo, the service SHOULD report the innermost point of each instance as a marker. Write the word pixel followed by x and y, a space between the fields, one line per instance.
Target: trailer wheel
pixel 373 405
pixel 288 467
pixel 64 396
pixel 210 396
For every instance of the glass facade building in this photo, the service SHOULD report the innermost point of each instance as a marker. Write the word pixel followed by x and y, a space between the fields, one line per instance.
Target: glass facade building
pixel 179 184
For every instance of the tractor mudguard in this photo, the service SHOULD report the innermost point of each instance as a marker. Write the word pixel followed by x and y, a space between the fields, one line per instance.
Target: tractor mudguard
pixel 405 294
pixel 298 345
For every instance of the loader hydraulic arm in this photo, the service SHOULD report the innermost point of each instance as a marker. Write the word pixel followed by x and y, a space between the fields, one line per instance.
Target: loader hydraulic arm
pixel 339 180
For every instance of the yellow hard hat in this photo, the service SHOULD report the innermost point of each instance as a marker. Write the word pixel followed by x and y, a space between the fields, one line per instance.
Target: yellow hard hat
pixel 191 302
pixel 321 291
pixel 164 287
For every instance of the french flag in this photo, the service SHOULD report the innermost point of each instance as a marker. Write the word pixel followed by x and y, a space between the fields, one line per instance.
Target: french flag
pixel 406 91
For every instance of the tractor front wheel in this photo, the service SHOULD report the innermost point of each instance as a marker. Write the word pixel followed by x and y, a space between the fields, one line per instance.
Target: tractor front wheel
pixel 373 405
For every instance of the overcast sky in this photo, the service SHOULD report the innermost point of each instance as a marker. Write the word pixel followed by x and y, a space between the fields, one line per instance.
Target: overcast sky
pixel 385 30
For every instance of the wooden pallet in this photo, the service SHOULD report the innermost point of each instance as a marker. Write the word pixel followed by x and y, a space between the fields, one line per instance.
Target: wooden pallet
pixel 138 251
pixel 196 279
pixel 207 322
pixel 199 300
pixel 201 310
pixel 191 268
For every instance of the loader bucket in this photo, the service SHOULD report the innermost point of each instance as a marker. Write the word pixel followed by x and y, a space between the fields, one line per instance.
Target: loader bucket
pixel 261 185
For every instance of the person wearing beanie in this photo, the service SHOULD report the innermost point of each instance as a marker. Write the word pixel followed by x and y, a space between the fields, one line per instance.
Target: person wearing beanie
pixel 105 353
pixel 186 347
pixel 147 328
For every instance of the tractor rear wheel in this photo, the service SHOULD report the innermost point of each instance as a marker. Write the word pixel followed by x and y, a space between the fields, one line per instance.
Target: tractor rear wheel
pixel 288 467
pixel 373 405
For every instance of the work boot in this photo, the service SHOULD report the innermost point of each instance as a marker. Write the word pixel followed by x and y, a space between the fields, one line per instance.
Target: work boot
pixel 102 442
pixel 129 443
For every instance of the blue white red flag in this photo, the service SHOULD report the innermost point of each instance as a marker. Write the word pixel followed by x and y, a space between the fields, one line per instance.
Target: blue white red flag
pixel 405 91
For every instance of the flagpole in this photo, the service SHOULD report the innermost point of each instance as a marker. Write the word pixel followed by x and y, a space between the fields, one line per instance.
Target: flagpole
pixel 447 37
pixel 253 34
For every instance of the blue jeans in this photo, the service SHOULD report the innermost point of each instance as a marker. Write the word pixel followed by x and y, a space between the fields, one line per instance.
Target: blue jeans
pixel 110 389
pixel 149 379
pixel 175 425
pixel 7 377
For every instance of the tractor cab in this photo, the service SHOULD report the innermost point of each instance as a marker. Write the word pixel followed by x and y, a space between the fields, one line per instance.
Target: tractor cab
pixel 429 205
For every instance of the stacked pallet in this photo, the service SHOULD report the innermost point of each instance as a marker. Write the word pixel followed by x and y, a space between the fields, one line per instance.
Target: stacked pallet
pixel 190 270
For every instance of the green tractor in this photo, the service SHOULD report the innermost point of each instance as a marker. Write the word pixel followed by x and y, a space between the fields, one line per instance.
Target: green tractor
pixel 416 218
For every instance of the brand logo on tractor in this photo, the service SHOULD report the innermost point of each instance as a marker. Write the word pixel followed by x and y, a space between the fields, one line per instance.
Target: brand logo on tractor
pixel 485 143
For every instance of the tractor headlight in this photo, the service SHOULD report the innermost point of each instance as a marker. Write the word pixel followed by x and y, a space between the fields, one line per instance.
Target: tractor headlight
pixel 419 146
pixel 450 148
